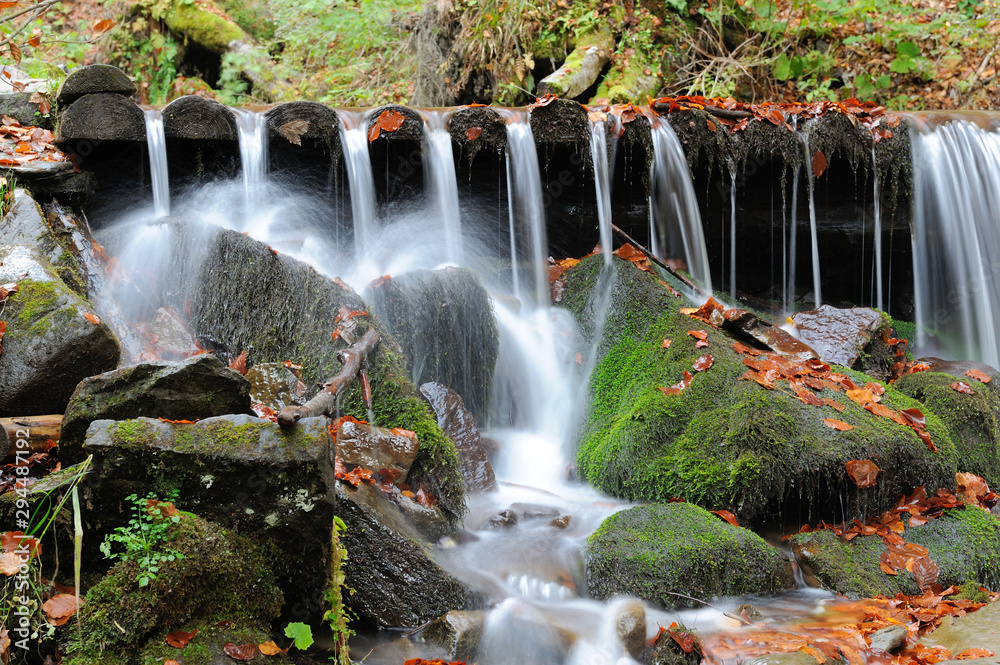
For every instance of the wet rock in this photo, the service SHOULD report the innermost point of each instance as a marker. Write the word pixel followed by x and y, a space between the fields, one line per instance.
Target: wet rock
pixel 888 639
pixel 653 551
pixel 173 339
pixel 726 442
pixel 457 633
pixel 958 367
pixel 396 581
pixel 491 446
pixel 839 336
pixel 502 520
pixel 794 658
pixel 18 105
pixel 50 344
pixel 376 448
pixel 459 425
pixel 445 322
pixel 193 389
pixel 976 630
pixel 965 544
pixel 428 520
pixel 237 471
pixel 25 224
pixel 630 626
pixel 747 325
pixel 561 522
pixel 275 386
pixel 534 511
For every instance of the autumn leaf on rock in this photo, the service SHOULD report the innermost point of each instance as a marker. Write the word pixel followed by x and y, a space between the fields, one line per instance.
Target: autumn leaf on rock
pixel 838 425
pixel 982 377
pixel 179 638
pixel 862 472
pixel 7 289
pixel 684 639
pixel 473 133
pixel 93 318
pixel 294 130
pixel 272 649
pixel 388 121
pixel 726 515
pixel 677 387
pixel 963 387
pixel 243 652
pixel 969 654
pixel 239 363
pixel 703 363
pixel 818 163
pixel 666 342
pixel 701 336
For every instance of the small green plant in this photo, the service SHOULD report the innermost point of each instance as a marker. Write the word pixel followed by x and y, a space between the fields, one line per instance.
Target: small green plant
pixel 301 633
pixel 338 616
pixel 145 537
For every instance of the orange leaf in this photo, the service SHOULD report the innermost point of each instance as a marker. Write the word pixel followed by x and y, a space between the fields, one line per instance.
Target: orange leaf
pixel 390 121
pixel 838 425
pixel 239 363
pixel 974 653
pixel 8 5
pixel 818 163
pixel 179 638
pixel 982 377
pixel 862 472
pixel 711 125
pixel 242 652
pixel 677 387
pixel 698 334
pixel 93 318
pixel 60 606
pixel 963 387
pixel 703 363
pixel 272 649
pixel 834 404
pixel 473 133
pixel 815 653
pixel 103 26
pixel 726 515
pixel 398 431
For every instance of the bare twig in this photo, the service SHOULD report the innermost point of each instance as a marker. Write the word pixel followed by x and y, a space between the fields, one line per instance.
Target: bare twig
pixel 654 259
pixel 707 604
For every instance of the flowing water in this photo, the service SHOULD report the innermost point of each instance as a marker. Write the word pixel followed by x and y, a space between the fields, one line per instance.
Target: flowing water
pixel 156 143
pixel 878 235
pixel 358 162
pixel 253 137
pixel 813 234
pixel 602 181
pixel 439 164
pixel 528 240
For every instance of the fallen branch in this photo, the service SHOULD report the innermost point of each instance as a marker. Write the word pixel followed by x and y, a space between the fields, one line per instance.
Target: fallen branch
pixel 718 609
pixel 37 430
pixel 325 401
pixel 654 259
pixel 718 112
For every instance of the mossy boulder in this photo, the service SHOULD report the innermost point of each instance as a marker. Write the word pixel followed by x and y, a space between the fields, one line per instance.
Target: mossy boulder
pixel 972 420
pixel 276 308
pixel 724 442
pixel 653 551
pixel 51 341
pixel 25 224
pixel 221 577
pixel 241 472
pixel 964 543
pixel 193 389
pixel 202 23
pixel 444 321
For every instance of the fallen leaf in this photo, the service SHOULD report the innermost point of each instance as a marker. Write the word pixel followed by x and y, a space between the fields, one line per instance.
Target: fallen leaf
pixel 666 343
pixel 272 649
pixel 982 377
pixel 239 363
pixel 818 163
pixel 242 652
pixel 677 387
pixel 179 638
pixel 103 26
pixel 862 472
pixel 974 653
pixel 93 318
pixel 473 133
pixel 399 431
pixel 60 607
pixel 963 387
pixel 726 515
pixel 294 130
pixel 838 425
pixel 703 363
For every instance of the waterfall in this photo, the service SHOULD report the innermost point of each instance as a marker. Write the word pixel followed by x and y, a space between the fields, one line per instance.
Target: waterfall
pixel 358 161
pixel 878 236
pixel 602 181
pixel 813 237
pixel 732 232
pixel 527 212
pixel 439 165
pixel 675 216
pixel 252 128
pixel 792 244
pixel 156 145
pixel 956 239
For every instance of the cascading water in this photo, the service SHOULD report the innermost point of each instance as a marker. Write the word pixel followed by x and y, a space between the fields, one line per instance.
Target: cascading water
pixel 527 212
pixel 878 235
pixel 956 195
pixel 675 219
pixel 252 128
pixel 732 231
pixel 358 161
pixel 439 164
pixel 602 179
pixel 792 245
pixel 813 235
pixel 156 144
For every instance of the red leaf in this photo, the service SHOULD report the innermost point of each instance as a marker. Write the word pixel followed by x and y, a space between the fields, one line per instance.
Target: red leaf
pixel 963 387
pixel 838 425
pixel 473 133
pixel 93 318
pixel 103 26
pixel 666 343
pixel 179 639
pixel 684 639
pixel 726 515
pixel 677 387
pixel 239 363
pixel 818 163
pixel 241 652
pixel 914 418
pixel 698 334
pixel 982 377
pixel 862 472
pixel 703 363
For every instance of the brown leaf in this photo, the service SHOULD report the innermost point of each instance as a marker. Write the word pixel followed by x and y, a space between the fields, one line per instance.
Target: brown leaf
pixel 703 363
pixel 7 289
pixel 473 133
pixel 834 404
pixel 963 387
pixel 726 515
pixel 242 652
pixel 914 418
pixel 93 318
pixel 272 649
pixel 862 472
pixel 666 343
pixel 294 130
pixel 982 377
pixel 818 163
pixel 15 53
pixel 179 638
pixel 969 654
pixel 677 387
pixel 925 572
pixel 711 125
pixel 239 363
pixel 838 425
pixel 698 334
pixel 103 26
pixel 60 606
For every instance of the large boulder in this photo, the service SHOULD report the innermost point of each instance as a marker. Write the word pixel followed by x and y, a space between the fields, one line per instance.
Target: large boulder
pixel 445 322
pixel 25 224
pixel 376 448
pixel 964 543
pixel 459 425
pixel 193 389
pixel 53 337
pixel 854 337
pixel 724 441
pixel 653 551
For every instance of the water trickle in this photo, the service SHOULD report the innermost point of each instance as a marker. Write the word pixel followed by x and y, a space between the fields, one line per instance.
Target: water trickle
pixel 358 161
pixel 792 244
pixel 813 236
pixel 878 235
pixel 602 182
pixel 956 193
pixel 527 212
pixel 675 217
pixel 252 128
pixel 732 231
pixel 439 165
pixel 156 145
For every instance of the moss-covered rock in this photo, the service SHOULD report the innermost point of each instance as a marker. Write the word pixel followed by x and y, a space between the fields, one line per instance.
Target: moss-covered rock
pixel 972 420
pixel 51 340
pixel 203 26
pixel 965 544
pixel 724 442
pixel 221 577
pixel 445 323
pixel 655 550
pixel 25 224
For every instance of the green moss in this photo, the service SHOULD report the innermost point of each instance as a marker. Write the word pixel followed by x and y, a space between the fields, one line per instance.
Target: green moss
pixel 971 590
pixel 973 421
pixel 38 301
pixel 965 544
pixel 653 551
pixel 724 442
pixel 222 576
pixel 134 432
pixel 203 27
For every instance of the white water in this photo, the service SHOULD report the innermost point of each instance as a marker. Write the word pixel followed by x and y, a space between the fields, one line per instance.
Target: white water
pixel 156 145
pixel 602 181
pixel 358 162
pixel 813 236
pixel 732 232
pixel 439 165
pixel 792 245
pixel 878 236
pixel 956 239
pixel 253 137
pixel 674 211
pixel 527 213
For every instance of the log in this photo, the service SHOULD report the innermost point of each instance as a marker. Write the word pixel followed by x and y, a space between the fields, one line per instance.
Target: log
pixel 91 79
pixel 40 430
pixel 102 116
pixel 492 129
pixel 194 117
pixel 717 111
pixel 412 128
pixel 582 67
pixel 325 401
